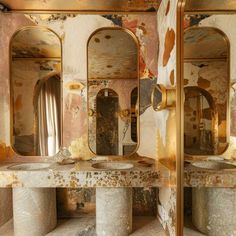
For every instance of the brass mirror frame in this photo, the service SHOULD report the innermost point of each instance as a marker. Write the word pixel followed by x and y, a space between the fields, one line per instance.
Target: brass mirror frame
pixel 92 112
pixel 20 30
pixel 228 60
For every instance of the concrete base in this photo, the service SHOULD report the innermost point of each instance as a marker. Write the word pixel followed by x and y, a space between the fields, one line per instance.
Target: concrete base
pixel 34 211
pixel 213 211
pixel 113 211
pixel 5 205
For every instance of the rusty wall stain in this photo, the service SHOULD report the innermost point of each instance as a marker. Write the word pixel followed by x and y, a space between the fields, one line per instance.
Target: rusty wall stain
pixel 169 45
pixel 172 77
pixel 168 8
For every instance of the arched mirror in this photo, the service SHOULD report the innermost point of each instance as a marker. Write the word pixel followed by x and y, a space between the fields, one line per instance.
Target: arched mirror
pixel 35 91
pixel 207 83
pixel 113 92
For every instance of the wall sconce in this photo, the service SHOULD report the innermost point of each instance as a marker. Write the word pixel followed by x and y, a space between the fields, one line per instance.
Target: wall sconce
pixel 162 97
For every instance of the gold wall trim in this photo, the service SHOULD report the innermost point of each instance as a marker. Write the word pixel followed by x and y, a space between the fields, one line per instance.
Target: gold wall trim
pixel 188 59
pixel 85 5
pixel 180 120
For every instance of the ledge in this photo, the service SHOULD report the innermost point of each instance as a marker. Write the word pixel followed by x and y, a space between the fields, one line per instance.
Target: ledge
pixel 201 177
pixel 82 174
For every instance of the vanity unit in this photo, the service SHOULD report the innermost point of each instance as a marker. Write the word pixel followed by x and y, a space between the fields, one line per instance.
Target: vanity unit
pixel 117 117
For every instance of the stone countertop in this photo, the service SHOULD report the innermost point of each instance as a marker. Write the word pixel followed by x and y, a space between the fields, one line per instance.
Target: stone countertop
pixel 82 174
pixel 204 177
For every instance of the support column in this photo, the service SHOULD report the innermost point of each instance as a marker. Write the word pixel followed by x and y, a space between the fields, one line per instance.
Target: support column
pixel 213 211
pixel 113 211
pixel 34 211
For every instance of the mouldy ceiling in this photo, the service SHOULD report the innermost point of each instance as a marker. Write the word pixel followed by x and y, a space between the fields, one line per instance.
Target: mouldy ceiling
pixel 204 43
pixel 36 42
pixel 112 54
pixel 84 5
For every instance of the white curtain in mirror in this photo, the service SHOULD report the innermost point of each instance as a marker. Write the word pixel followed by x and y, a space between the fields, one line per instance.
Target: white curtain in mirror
pixel 48 117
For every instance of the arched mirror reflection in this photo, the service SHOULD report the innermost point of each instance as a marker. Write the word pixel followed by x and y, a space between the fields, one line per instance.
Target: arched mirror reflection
pixel 206 82
pixel 113 92
pixel 35 91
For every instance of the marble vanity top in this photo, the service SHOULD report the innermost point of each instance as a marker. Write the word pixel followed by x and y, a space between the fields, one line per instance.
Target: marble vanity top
pixel 209 172
pixel 142 172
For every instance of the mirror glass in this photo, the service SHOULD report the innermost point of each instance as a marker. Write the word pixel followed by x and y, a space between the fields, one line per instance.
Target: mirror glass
pixel 113 92
pixel 206 86
pixel 35 92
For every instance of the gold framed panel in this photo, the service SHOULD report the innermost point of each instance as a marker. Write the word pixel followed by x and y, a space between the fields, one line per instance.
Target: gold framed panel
pixel 228 60
pixel 138 82
pixel 51 74
pixel 182 10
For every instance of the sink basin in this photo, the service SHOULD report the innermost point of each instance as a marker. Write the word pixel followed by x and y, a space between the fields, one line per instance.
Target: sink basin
pixel 213 165
pixel 113 165
pixel 30 166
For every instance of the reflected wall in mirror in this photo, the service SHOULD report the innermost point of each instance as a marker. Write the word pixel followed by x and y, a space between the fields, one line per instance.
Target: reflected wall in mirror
pixel 113 92
pixel 35 91
pixel 207 82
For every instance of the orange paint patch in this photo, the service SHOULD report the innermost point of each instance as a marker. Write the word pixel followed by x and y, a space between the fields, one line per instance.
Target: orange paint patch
pixel 168 8
pixel 169 45
pixel 5 151
pixel 203 83
pixel 18 103
pixel 172 77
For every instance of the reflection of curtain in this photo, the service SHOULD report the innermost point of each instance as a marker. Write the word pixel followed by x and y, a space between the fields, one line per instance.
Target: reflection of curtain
pixel 48 117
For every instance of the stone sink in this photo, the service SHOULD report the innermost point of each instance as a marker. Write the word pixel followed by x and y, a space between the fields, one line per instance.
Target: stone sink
pixel 213 165
pixel 30 166
pixel 113 165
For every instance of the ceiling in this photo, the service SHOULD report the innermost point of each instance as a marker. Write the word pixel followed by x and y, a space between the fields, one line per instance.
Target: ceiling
pixel 82 5
pixel 112 54
pixel 36 42
pixel 205 42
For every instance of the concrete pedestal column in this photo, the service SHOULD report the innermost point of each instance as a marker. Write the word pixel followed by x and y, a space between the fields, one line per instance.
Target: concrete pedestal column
pixel 113 211
pixel 34 211
pixel 5 205
pixel 213 211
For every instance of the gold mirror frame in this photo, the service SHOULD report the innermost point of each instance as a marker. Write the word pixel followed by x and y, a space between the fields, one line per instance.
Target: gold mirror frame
pixel 22 29
pixel 90 111
pixel 226 39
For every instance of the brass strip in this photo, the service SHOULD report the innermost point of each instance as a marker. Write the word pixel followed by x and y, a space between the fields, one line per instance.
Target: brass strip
pixel 209 12
pixel 82 12
pixel 206 59
pixel 180 119
pixel 37 58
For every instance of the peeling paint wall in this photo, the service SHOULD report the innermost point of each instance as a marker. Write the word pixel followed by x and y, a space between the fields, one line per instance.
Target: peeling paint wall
pixel 74 31
pixel 75 71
